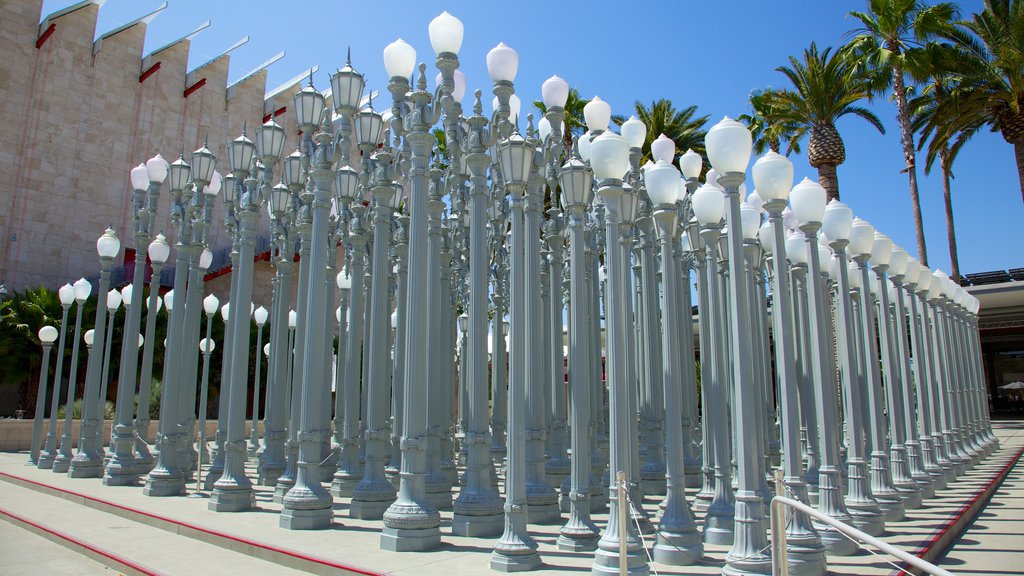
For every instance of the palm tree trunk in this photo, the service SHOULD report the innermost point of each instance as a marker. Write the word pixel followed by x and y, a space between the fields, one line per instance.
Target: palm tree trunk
pixel 909 156
pixel 954 261
pixel 829 180
pixel 1018 151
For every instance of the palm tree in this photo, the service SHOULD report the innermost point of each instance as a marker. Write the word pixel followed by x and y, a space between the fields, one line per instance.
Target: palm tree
pixel 892 29
pixel 937 66
pixel 992 92
pixel 767 125
pixel 826 86
pixel 684 127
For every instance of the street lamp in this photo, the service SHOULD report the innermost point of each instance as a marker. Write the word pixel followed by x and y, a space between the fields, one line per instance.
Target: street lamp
pixel 47 334
pixel 158 251
pixel 210 305
pixel 88 463
pixel 808 202
pixel 260 315
pixel 773 177
pixel 67 295
pixel 679 542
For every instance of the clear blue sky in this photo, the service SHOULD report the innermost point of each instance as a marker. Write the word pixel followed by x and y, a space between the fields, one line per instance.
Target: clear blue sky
pixel 711 54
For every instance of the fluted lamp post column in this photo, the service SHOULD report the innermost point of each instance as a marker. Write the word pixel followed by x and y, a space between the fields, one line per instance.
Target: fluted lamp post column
pixel 88 461
pixel 210 306
pixel 773 176
pixel 678 541
pixel 158 251
pixel 66 295
pixel 808 201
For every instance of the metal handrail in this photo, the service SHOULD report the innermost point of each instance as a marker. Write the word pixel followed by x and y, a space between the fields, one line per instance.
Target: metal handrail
pixel 780 565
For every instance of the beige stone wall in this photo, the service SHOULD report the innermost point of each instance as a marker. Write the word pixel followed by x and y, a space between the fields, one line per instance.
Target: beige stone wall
pixel 79 120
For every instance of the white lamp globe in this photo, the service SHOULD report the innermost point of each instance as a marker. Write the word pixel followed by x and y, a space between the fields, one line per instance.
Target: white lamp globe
pixel 445 34
pixel 159 303
pixel 126 295
pixel 690 164
pixel 107 245
pixel 82 289
pixel 943 282
pixel 796 248
pixel 207 345
pixel 935 287
pixel 139 177
pixel 394 319
pixel 808 201
pixel 924 279
pixel 853 275
pixel 663 148
pixel 662 182
pixel 225 311
pixel 89 337
pixel 205 259
pixel 156 169
pixel 609 156
pixel 708 205
pixel 142 340
pixel 210 304
pixel 555 92
pixel 837 221
pixel 66 294
pixel 765 236
pixel 502 63
pixel 862 238
pixel 344 280
pixel 750 220
pixel 634 131
pixel 728 144
pixel 898 261
pixel 912 271
pixel 399 59
pixel 597 114
pixel 216 182
pixel 337 314
pixel 260 315
pixel 266 349
pixel 47 334
pixel 789 220
pixel 159 249
pixel 293 319
pixel 755 200
pixel 544 128
pixel 169 300
pixel 583 145
pixel 773 176
pixel 881 250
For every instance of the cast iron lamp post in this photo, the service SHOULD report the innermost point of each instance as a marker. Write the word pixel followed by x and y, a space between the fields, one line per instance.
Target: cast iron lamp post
pixel 773 176
pixel 808 201
pixel 411 523
pixel 678 542
pixel 260 315
pixel 210 306
pixel 158 251
pixel 579 533
pixel 728 145
pixel 47 334
pixel 478 509
pixel 66 294
pixel 88 461
pixel 609 159
pixel 862 244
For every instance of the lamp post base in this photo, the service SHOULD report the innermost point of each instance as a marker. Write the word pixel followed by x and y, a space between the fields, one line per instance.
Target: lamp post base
pixel 344 484
pixel 482 526
pixel 85 467
pixel 867 517
pixel 719 523
pixel 410 540
pixel 892 506
pixel 160 486
pixel 368 510
pixel 318 519
pixel 835 543
pixel 758 563
pixel 606 561
pixel 232 499
pixel 678 549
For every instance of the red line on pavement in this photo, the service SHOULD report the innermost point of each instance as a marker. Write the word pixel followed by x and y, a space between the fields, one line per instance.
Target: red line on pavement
pixel 105 553
pixel 224 535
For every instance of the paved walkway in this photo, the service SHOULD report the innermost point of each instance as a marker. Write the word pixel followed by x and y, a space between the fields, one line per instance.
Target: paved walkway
pixel 123 522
